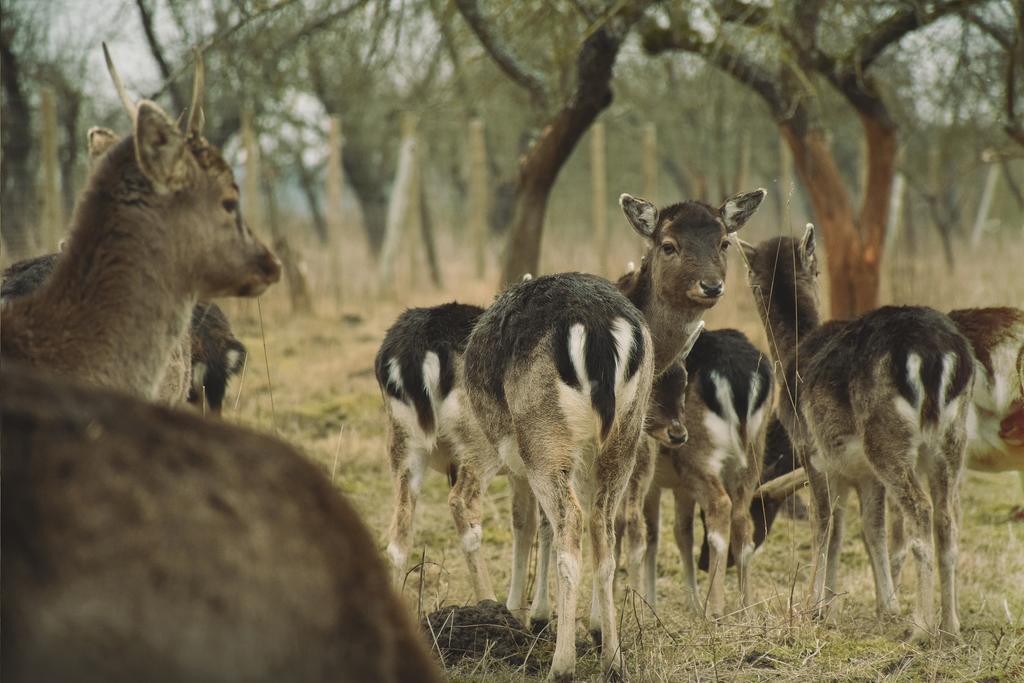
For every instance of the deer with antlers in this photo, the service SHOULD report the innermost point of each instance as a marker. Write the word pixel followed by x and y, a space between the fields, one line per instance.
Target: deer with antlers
pixel 157 228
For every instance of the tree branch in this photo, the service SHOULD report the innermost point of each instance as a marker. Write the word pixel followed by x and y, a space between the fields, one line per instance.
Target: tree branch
pixel 514 68
pixel 146 17
pixel 720 53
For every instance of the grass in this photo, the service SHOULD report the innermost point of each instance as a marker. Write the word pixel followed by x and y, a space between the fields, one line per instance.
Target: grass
pixel 326 401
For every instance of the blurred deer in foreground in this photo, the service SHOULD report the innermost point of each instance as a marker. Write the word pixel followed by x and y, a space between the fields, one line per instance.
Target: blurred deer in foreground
pixel 157 228
pixel 148 544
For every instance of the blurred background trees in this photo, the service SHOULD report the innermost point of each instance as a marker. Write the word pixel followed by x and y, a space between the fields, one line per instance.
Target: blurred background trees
pixel 890 123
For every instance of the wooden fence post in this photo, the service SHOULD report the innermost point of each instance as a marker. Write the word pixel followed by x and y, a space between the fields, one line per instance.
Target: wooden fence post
pixel 599 194
pixel 52 224
pixel 478 194
pixel 335 212
pixel 401 202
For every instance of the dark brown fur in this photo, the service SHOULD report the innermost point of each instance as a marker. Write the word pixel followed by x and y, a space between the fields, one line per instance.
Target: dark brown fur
pixel 145 544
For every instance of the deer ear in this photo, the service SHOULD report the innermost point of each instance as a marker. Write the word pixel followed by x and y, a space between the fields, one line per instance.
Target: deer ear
pixel 640 213
pixel 100 140
pixel 737 210
pixel 807 256
pixel 160 149
pixel 690 341
pixel 748 249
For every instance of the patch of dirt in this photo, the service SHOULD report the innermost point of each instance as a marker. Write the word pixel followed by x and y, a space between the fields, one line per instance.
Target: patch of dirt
pixel 468 632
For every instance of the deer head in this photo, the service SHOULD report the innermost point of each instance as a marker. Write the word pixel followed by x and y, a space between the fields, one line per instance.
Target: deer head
pixel 185 184
pixel 685 257
pixel 666 421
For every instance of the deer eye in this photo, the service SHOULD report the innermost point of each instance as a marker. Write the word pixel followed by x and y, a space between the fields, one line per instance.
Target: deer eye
pixel 230 205
pixel 668 249
pixel 725 246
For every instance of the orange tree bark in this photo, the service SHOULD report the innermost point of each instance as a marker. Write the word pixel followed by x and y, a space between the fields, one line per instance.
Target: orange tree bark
pixel 540 165
pixel 853 239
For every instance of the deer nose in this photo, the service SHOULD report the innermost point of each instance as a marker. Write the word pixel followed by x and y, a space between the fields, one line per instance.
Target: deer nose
pixel 677 434
pixel 712 289
pixel 270 266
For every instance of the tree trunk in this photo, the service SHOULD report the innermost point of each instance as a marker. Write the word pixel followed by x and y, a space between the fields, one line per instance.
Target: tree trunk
pixel 854 255
pixel 17 187
pixel 541 165
pixel 291 262
pixel 368 189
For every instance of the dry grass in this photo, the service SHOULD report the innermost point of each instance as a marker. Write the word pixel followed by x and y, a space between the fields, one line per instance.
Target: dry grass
pixel 326 400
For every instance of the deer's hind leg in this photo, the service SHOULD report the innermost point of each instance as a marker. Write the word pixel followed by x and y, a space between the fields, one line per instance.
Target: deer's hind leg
pixel 944 480
pixel 614 473
pixel 892 448
pixel 524 530
pixel 872 514
pixel 407 463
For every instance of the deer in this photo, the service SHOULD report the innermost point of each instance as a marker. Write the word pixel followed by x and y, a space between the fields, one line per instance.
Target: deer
pixel 559 371
pixel 157 228
pixel 416 370
pixel 995 418
pixel 728 390
pixel 217 356
pixel 210 352
pixel 146 543
pixel 878 404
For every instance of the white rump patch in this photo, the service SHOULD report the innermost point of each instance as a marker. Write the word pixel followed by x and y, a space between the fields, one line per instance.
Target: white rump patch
pixel 199 377
pixel 914 380
pixel 432 377
pixel 625 391
pixel 577 345
pixel 724 431
pixel 948 367
pixel 395 375
pixel 233 358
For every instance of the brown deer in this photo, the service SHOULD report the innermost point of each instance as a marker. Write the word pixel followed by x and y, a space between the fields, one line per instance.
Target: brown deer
pixel 559 372
pixel 142 543
pixel 157 228
pixel 729 396
pixel 874 404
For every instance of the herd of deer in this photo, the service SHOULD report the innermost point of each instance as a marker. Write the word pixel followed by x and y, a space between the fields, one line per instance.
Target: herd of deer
pixel 142 542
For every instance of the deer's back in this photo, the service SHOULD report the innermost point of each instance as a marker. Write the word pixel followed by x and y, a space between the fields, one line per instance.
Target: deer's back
pixel 142 543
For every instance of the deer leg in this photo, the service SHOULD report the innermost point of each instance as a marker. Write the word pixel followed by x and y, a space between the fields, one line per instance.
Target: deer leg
pixel 615 473
pixel 407 465
pixel 636 490
pixel 718 516
pixel 524 530
pixel 464 500
pixel 943 480
pixel 540 610
pixel 683 529
pixel 890 449
pixel 741 539
pixel 826 518
pixel 872 514
pixel 897 539
pixel 554 490
pixel 652 520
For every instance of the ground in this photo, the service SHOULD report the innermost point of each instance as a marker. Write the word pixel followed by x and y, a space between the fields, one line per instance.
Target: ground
pixel 322 396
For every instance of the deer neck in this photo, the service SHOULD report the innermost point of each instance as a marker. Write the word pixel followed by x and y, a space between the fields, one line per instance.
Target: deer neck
pixel 789 314
pixel 119 294
pixel 670 326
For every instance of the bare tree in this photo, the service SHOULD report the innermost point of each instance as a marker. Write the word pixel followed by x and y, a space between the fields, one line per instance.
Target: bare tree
pixel 591 94
pixel 853 238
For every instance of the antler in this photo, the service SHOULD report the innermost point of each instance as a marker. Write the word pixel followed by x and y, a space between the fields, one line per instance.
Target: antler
pixel 195 116
pixel 129 105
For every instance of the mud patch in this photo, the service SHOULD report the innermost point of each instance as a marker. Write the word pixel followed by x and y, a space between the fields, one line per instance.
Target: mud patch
pixel 470 632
